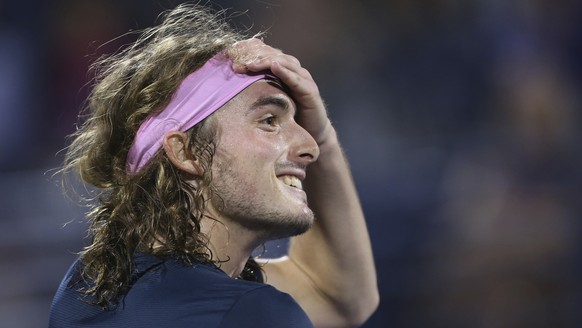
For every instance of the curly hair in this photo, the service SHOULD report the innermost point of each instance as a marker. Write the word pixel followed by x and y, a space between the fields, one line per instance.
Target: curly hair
pixel 155 210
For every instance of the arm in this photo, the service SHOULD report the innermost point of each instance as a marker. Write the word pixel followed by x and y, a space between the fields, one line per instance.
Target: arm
pixel 330 269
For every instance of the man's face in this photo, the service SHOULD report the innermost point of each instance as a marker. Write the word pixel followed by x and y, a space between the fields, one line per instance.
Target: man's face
pixel 260 161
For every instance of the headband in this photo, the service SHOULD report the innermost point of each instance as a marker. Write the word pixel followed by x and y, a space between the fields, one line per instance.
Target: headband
pixel 200 94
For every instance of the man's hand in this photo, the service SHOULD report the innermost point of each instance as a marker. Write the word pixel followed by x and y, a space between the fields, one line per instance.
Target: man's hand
pixel 253 55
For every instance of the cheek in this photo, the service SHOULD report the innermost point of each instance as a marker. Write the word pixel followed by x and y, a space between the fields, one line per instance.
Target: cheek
pixel 243 165
pixel 240 172
pixel 250 145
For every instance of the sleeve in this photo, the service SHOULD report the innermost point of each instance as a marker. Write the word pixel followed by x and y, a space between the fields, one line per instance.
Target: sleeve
pixel 266 307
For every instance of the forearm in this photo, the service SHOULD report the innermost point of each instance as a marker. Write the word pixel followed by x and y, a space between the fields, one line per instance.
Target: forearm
pixel 336 253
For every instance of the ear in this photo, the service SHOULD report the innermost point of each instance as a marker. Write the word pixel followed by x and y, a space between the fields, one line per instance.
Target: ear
pixel 175 143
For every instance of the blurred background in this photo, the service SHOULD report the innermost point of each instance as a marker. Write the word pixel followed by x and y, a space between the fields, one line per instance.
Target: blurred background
pixel 461 120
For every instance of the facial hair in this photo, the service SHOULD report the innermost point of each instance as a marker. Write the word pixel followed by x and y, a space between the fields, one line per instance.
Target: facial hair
pixel 238 200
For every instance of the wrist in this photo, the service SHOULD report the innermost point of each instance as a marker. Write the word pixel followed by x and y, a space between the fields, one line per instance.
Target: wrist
pixel 328 142
pixel 327 136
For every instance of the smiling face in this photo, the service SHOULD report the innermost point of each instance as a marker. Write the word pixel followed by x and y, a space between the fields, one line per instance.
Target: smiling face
pixel 260 161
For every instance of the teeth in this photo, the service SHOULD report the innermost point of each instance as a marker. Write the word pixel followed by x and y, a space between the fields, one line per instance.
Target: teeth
pixel 292 181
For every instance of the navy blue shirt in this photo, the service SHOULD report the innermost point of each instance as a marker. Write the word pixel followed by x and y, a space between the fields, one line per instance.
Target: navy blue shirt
pixel 168 293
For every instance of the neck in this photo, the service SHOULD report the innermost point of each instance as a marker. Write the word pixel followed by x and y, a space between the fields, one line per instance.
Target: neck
pixel 231 245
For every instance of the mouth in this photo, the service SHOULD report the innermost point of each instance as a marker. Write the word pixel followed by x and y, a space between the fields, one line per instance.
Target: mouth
pixel 291 181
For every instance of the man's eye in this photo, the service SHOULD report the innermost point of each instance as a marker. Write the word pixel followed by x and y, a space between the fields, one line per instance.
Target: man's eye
pixel 271 120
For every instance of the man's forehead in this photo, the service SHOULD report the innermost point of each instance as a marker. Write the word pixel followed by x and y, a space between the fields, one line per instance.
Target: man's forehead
pixel 274 93
pixel 261 93
pixel 269 86
pixel 264 92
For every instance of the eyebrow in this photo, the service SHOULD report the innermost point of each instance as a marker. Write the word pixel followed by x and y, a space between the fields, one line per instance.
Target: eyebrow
pixel 277 101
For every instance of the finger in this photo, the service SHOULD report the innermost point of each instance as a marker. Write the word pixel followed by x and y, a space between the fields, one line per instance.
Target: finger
pixel 265 60
pixel 300 82
pixel 248 54
pixel 240 55
pixel 251 49
pixel 248 43
pixel 289 62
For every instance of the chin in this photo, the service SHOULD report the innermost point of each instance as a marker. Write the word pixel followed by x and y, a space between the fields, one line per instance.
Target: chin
pixel 284 226
pixel 289 230
pixel 299 224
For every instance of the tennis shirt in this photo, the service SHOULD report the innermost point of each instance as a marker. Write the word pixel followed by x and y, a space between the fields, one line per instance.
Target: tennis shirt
pixel 169 293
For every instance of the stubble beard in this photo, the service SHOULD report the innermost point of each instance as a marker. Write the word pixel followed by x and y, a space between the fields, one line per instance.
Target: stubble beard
pixel 231 201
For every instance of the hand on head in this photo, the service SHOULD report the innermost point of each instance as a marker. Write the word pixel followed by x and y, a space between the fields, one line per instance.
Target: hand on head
pixel 254 55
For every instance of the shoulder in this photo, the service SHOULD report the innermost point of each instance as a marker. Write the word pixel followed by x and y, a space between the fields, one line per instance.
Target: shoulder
pixel 205 295
pixel 68 307
pixel 173 277
pixel 265 307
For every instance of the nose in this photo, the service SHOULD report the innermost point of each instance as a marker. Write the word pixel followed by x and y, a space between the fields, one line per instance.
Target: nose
pixel 303 147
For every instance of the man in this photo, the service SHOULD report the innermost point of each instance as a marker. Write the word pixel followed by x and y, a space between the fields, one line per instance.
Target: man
pixel 205 146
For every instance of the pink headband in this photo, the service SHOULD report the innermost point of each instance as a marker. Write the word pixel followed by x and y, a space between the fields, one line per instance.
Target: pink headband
pixel 199 95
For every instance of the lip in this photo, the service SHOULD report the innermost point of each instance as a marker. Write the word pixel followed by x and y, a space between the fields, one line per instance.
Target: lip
pixel 299 174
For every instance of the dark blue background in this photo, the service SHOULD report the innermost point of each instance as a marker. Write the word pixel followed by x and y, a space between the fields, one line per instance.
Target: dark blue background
pixel 461 120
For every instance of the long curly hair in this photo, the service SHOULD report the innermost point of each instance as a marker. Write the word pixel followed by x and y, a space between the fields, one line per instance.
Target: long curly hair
pixel 156 210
